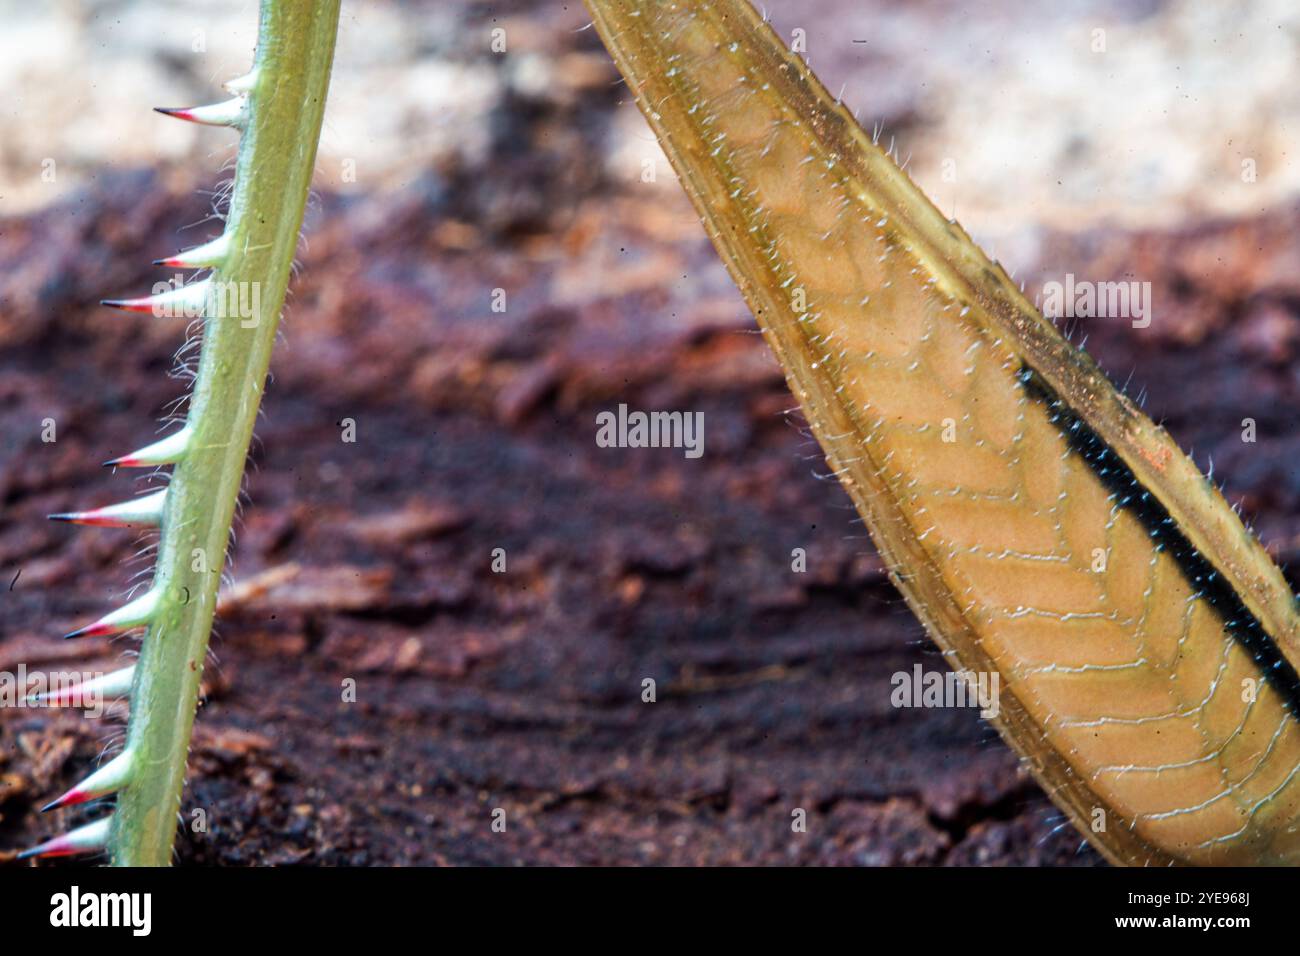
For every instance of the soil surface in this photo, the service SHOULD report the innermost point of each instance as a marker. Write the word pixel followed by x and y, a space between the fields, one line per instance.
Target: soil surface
pixel 369 563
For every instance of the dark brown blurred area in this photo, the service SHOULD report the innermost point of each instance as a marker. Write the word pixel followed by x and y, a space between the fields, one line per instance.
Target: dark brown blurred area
pixel 475 431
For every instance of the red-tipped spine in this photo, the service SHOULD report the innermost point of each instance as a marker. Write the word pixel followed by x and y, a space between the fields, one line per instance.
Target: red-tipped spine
pixel 188 301
pixel 91 838
pixel 135 614
pixel 166 451
pixel 110 778
pixel 111 685
pixel 233 112
pixel 142 512
pixel 207 256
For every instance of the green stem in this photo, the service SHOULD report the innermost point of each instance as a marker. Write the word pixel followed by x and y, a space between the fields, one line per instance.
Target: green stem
pixel 276 157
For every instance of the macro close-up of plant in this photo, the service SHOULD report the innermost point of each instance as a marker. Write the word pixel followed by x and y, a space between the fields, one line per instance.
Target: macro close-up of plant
pixel 529 568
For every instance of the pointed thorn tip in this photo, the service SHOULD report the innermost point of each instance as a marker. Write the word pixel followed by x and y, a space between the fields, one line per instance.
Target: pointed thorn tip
pixel 229 113
pixel 72 798
pixel 84 839
pixel 128 305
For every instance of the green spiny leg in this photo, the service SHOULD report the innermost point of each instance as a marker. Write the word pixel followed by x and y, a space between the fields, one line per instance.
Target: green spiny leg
pixel 278 107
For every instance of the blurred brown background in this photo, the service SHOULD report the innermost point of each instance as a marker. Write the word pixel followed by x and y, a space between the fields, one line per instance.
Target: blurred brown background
pixel 448 171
